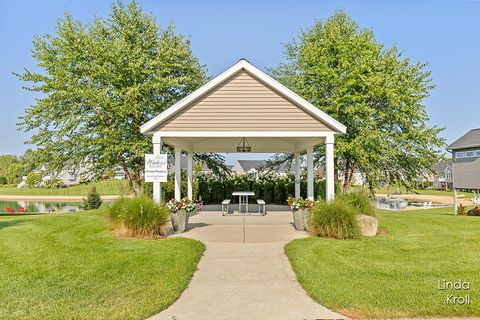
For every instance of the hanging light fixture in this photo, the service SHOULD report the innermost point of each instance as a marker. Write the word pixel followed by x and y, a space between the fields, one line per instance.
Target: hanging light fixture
pixel 244 146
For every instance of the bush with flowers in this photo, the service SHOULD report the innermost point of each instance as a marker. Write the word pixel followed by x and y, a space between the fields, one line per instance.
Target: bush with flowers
pixel 180 211
pixel 183 204
pixel 300 208
pixel 299 203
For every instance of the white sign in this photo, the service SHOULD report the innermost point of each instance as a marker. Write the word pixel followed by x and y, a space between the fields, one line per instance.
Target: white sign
pixel 156 168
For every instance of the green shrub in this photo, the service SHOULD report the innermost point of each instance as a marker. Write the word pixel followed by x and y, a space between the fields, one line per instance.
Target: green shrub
pixel 228 189
pixel 203 191
pixel 242 185
pixel 54 183
pixel 33 179
pixel 268 192
pixel 333 220
pixel 93 200
pixel 216 191
pixel 3 180
pixel 360 201
pixel 168 190
pixel 279 190
pixel 138 217
pixel 147 189
pixel 321 189
pixel 290 188
pixel 303 189
pixel 257 189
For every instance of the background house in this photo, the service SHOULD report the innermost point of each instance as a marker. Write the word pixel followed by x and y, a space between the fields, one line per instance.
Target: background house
pixel 466 161
pixel 443 180
pixel 257 166
pixel 184 165
pixel 70 175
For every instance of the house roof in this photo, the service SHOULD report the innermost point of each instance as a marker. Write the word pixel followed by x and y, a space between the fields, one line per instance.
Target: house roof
pixel 184 163
pixel 248 165
pixel 242 64
pixel 471 139
pixel 443 166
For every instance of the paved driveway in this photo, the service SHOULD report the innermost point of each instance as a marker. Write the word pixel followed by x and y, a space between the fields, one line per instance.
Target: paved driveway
pixel 244 273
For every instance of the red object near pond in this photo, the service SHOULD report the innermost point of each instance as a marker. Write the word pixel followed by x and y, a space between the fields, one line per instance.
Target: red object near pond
pixel 8 210
pixel 22 210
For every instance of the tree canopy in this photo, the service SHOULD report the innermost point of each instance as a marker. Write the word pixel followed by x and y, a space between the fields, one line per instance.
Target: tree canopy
pixel 374 91
pixel 100 82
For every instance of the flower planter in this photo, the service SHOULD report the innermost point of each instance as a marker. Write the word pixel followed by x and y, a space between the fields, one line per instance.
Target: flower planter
pixel 300 219
pixel 180 220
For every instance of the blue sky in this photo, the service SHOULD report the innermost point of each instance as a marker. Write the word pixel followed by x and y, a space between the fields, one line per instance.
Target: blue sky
pixel 445 34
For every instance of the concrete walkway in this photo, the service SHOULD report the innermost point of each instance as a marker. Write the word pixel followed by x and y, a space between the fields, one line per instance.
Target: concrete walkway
pixel 244 273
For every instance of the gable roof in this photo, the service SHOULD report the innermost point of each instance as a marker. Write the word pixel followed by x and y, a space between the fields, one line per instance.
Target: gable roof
pixel 441 167
pixel 243 64
pixel 471 139
pixel 248 165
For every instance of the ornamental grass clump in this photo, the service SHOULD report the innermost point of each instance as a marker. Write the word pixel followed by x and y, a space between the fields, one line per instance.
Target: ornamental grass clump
pixel 360 201
pixel 138 218
pixel 334 220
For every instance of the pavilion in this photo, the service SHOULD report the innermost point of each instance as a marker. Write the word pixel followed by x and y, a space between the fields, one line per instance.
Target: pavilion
pixel 245 108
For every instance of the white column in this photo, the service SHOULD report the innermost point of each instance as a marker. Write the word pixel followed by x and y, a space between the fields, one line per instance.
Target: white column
pixel 455 201
pixel 190 175
pixel 178 173
pixel 157 186
pixel 329 168
pixel 310 194
pixel 297 174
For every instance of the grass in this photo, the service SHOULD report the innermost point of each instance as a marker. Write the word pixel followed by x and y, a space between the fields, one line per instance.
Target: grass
pixel 396 274
pixel 69 266
pixel 104 187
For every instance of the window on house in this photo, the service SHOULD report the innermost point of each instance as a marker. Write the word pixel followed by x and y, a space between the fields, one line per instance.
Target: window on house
pixel 469 154
pixel 459 154
pixel 477 153
pixel 71 175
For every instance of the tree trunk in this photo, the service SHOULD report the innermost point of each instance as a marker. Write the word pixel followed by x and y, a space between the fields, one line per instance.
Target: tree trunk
pixel 130 182
pixel 129 176
pixel 138 181
pixel 350 167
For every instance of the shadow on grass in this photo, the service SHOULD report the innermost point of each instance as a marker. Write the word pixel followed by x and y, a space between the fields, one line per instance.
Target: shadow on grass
pixel 10 223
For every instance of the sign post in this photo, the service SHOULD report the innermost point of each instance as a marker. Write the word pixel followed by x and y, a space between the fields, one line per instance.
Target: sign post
pixel 156 168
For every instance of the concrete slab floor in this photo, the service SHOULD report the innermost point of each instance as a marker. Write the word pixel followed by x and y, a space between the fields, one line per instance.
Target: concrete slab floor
pixel 244 273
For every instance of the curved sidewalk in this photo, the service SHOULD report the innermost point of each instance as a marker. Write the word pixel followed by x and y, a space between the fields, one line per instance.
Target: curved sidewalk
pixel 244 273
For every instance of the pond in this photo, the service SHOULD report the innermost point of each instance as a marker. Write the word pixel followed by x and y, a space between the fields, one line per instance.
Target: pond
pixel 391 203
pixel 25 206
pixel 398 203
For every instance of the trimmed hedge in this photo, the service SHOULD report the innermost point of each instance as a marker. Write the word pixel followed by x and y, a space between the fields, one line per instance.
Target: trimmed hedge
pixel 271 188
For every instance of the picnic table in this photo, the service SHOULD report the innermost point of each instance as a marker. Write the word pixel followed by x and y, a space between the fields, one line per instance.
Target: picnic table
pixel 243 199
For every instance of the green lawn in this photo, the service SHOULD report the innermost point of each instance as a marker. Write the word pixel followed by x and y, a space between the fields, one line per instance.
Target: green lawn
pixel 104 187
pixel 59 266
pixel 396 274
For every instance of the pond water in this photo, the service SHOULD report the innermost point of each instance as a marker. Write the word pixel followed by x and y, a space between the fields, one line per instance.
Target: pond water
pixel 398 203
pixel 25 206
pixel 391 203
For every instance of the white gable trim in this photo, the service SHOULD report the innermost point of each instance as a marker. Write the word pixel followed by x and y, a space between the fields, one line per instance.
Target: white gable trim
pixel 245 65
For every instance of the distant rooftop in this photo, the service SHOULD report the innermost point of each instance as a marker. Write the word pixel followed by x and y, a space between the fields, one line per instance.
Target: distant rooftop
pixel 442 166
pixel 471 139
pixel 247 165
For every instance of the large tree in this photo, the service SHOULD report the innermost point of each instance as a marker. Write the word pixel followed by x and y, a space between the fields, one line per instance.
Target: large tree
pixel 100 82
pixel 342 69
